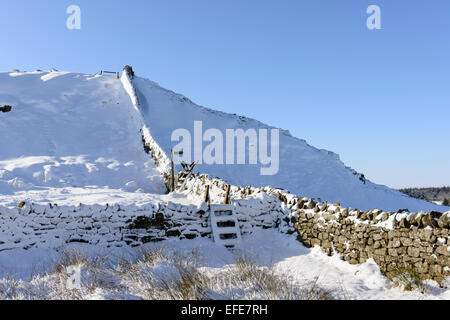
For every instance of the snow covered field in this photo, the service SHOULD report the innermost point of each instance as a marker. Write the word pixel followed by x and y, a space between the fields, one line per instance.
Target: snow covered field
pixel 299 272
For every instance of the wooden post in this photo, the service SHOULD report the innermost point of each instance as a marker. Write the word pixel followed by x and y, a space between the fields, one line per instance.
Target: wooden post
pixel 172 182
pixel 227 195
pixel 207 199
pixel 206 194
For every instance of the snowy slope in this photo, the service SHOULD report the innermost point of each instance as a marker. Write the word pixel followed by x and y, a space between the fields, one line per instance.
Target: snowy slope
pixel 69 131
pixel 304 170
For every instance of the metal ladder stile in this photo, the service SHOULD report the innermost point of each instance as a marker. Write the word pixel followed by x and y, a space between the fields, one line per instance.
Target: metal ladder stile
pixel 225 226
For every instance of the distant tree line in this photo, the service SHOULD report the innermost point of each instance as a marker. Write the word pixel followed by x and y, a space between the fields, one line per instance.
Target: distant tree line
pixel 430 194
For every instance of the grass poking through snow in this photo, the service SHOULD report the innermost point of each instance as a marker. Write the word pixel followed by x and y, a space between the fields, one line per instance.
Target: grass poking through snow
pixel 157 274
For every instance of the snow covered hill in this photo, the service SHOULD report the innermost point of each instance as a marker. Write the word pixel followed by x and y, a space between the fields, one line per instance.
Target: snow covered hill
pixel 303 170
pixel 69 132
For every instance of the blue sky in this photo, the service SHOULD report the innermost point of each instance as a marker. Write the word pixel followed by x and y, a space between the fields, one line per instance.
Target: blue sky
pixel 378 98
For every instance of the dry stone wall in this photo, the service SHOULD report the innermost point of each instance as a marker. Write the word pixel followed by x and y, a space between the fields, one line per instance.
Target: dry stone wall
pixel 398 242
pixel 52 226
pixel 254 207
pixel 151 147
pixel 394 240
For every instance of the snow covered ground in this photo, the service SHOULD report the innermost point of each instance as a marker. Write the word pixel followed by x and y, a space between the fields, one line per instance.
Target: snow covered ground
pixel 32 272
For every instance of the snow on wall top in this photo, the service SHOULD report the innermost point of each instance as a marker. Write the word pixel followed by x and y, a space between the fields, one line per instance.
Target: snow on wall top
pixel 70 130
